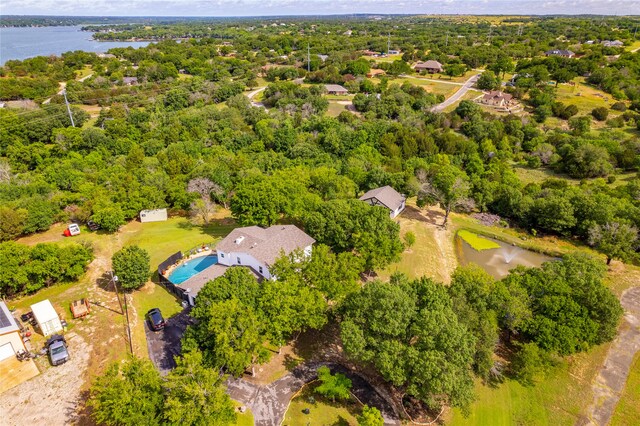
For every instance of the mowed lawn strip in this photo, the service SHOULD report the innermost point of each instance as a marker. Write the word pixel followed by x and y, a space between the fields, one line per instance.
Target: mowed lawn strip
pixel 476 241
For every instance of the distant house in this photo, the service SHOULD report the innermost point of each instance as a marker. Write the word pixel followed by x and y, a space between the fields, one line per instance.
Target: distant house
pixel 106 56
pixel 614 43
pixel 430 66
pixel 323 57
pixel 386 197
pixel 258 248
pixel 498 99
pixel 157 215
pixel 560 52
pixel 393 52
pixel 374 72
pixel 335 89
pixel 370 53
pixel 130 81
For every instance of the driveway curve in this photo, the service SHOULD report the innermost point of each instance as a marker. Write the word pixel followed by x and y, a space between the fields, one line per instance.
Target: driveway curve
pixel 269 403
pixel 458 95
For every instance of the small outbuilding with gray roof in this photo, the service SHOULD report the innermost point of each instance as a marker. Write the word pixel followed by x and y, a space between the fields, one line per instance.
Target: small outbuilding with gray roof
pixel 258 248
pixel 387 197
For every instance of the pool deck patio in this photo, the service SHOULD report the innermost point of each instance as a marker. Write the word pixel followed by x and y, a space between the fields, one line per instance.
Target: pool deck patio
pixel 194 284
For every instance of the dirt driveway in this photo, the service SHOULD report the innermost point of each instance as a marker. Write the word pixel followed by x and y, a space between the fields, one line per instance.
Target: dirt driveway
pixel 52 397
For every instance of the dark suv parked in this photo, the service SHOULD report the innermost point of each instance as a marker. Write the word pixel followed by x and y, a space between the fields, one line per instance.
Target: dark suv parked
pixel 156 321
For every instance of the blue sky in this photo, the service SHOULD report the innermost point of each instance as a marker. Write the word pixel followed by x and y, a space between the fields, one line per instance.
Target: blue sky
pixel 308 7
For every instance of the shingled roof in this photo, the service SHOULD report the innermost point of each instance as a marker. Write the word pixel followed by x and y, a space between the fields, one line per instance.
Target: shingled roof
pixel 386 196
pixel 265 244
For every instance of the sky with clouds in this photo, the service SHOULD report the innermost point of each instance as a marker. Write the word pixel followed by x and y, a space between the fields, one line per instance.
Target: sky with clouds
pixel 311 7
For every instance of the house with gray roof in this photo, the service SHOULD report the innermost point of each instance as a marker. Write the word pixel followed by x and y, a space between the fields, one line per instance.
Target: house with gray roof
pixel 335 89
pixel 386 197
pixel 258 248
pixel 560 52
pixel 429 66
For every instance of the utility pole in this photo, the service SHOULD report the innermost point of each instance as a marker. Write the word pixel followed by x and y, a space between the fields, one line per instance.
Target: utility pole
pixel 446 41
pixel 64 93
pixel 308 58
pixel 114 279
pixel 388 43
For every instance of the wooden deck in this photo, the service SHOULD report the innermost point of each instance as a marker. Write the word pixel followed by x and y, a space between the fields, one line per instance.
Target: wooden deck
pixel 14 372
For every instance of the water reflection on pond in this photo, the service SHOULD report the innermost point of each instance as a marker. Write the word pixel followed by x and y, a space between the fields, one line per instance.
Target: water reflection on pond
pixel 498 262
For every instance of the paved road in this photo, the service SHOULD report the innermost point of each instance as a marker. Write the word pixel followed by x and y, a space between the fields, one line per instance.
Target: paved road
pixel 251 95
pixel 269 403
pixel 456 96
pixel 165 345
pixel 613 375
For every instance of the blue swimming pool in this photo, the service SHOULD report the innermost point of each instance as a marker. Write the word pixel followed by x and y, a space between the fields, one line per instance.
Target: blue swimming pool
pixel 191 267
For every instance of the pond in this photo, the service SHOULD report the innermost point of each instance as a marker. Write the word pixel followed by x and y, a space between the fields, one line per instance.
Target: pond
pixel 499 261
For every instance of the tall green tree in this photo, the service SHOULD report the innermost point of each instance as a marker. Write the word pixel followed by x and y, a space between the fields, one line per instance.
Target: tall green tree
pixel 195 394
pixel 370 416
pixel 132 265
pixel 447 186
pixel 409 332
pixel 333 385
pixel 128 394
pixel 616 240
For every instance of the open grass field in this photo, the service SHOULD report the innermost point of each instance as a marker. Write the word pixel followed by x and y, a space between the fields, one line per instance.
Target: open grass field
pixel 558 399
pixel 85 71
pixel 432 254
pixel 585 97
pixel 322 411
pixel 389 58
pixel 529 175
pixel 476 241
pixel 628 410
pixel 438 88
pixel 335 108
pixel 458 79
pixel 633 47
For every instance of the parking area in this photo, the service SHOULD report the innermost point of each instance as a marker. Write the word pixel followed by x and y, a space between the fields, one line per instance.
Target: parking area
pixel 165 344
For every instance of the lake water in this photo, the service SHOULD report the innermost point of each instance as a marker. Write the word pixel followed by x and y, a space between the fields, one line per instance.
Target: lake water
pixel 27 42
pixel 499 261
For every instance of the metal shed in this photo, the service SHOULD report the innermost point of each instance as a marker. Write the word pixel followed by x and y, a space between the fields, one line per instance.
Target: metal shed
pixel 157 215
pixel 46 317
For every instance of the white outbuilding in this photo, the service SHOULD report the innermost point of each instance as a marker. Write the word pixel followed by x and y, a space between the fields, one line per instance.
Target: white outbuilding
pixel 47 318
pixel 157 215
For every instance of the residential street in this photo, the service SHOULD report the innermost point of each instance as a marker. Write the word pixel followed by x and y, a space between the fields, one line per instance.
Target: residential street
pixel 456 96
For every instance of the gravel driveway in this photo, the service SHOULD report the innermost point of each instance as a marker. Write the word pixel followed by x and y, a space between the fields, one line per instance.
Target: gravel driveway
pixel 51 398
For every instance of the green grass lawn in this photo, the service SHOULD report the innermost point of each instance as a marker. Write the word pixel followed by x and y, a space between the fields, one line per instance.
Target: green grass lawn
pixel 322 410
pixel 469 96
pixel 243 419
pixel 476 241
pixel 635 45
pixel 335 109
pixel 529 175
pixel 628 409
pixel 585 97
pixel 438 88
pixel 85 71
pixel 559 399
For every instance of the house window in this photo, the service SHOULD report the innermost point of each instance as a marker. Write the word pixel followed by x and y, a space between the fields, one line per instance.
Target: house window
pixel 260 270
pixel 222 255
pixel 238 259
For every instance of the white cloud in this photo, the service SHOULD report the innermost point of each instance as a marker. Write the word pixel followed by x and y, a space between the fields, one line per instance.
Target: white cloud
pixel 306 7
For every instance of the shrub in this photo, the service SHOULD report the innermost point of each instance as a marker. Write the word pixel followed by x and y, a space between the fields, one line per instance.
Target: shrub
pixel 600 113
pixel 619 106
pixel 410 239
pixel 109 218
